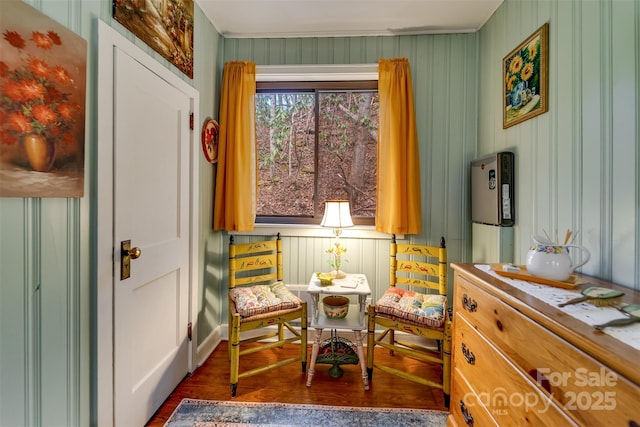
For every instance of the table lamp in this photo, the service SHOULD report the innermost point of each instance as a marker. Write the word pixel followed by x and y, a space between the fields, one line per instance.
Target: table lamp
pixel 337 215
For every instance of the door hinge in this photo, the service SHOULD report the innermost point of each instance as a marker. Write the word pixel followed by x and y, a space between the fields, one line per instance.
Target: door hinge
pixel 189 331
pixel 191 121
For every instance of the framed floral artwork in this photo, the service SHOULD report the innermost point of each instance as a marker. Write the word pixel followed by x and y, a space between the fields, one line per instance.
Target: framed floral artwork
pixel 42 105
pixel 525 79
pixel 166 26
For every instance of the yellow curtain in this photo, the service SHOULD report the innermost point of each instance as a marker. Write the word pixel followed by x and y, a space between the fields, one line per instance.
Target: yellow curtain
pixel 236 177
pixel 398 186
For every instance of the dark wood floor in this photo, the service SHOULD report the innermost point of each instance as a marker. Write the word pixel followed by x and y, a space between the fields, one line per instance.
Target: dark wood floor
pixel 288 385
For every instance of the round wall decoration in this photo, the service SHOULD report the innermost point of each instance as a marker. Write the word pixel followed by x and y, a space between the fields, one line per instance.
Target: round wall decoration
pixel 210 132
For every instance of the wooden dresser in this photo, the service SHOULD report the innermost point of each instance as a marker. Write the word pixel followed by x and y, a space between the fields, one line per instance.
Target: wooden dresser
pixel 520 361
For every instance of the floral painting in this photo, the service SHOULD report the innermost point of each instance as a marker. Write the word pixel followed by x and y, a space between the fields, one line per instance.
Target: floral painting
pixel 42 105
pixel 525 79
pixel 164 25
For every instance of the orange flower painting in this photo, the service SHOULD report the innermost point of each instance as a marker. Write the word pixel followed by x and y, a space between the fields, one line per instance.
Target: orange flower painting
pixel 42 101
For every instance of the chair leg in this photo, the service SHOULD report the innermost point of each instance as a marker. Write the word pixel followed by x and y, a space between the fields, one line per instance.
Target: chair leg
pixel 234 388
pixel 234 351
pixel 281 332
pixel 303 338
pixel 446 362
pixel 371 339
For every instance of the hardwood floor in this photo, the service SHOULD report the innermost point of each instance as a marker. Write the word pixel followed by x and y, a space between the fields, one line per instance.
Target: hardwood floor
pixel 288 385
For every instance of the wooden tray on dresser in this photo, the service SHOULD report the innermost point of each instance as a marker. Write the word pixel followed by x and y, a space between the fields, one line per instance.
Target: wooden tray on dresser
pixel 523 274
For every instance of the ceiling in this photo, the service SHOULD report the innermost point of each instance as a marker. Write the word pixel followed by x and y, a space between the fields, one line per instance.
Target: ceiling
pixel 326 18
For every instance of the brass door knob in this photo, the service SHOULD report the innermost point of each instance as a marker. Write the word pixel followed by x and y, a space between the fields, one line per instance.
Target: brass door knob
pixel 127 253
pixel 135 253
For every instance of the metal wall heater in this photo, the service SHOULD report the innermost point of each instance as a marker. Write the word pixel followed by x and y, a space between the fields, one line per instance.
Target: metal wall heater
pixel 492 190
pixel 493 207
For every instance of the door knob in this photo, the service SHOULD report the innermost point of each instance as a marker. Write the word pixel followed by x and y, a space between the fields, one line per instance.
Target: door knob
pixel 127 253
pixel 135 253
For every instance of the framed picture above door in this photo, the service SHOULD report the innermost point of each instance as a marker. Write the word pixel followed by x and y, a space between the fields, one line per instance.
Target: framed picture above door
pixel 164 25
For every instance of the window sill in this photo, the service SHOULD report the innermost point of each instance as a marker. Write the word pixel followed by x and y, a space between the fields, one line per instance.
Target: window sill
pixel 358 231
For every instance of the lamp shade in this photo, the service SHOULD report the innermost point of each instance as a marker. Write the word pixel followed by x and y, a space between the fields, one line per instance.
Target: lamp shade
pixel 337 214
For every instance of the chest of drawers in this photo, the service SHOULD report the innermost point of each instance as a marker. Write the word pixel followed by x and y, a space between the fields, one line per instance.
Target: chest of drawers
pixel 520 361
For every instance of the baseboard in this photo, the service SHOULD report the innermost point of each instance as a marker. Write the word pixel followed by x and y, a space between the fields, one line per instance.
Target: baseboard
pixel 210 343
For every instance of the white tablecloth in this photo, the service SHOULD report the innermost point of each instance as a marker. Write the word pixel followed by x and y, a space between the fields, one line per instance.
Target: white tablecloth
pixel 584 311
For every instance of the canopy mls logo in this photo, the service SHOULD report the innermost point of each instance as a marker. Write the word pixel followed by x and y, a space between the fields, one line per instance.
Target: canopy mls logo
pixel 587 390
pixel 582 377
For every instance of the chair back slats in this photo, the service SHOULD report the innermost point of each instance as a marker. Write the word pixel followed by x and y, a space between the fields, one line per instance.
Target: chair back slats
pixel 420 266
pixel 255 247
pixel 417 267
pixel 255 280
pixel 419 250
pixel 255 263
pixel 418 283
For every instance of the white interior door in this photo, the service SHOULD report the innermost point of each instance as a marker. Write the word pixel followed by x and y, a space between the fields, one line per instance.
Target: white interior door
pixel 151 209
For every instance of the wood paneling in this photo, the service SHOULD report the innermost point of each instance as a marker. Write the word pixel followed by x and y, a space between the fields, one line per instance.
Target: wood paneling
pixel 46 293
pixel 577 168
pixel 444 76
pixel 577 164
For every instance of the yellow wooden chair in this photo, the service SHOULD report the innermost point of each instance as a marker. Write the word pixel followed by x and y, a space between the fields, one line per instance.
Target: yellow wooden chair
pixel 259 299
pixel 415 303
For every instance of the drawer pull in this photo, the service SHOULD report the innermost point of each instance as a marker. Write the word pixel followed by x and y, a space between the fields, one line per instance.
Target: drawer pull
pixel 468 355
pixel 465 414
pixel 469 304
pixel 541 379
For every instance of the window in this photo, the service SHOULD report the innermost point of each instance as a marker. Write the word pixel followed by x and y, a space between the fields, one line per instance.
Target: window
pixel 317 141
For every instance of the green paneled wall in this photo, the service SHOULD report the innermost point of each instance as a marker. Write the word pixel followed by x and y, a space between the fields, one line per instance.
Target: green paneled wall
pixel 445 77
pixel 577 168
pixel 47 323
pixel 577 164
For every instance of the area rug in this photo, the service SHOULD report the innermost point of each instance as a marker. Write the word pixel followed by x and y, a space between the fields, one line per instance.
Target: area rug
pixel 213 413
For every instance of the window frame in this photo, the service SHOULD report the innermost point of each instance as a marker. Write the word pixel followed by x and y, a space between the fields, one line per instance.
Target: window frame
pixel 314 73
pixel 314 87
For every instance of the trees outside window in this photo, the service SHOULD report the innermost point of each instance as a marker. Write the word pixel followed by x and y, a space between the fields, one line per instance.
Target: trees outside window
pixel 317 141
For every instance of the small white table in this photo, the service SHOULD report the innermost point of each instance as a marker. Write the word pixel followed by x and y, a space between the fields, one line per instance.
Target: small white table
pixel 353 284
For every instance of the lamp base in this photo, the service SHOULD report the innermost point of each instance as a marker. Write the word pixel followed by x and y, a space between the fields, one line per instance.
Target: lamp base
pixel 339 274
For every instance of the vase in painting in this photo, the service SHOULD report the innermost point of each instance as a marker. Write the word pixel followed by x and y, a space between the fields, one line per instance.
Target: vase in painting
pixel 40 152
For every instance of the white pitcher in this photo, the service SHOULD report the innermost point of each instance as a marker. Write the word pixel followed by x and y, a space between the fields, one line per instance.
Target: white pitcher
pixel 553 261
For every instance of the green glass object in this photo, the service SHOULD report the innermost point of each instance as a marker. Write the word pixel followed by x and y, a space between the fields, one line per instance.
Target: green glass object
pixel 596 295
pixel 632 312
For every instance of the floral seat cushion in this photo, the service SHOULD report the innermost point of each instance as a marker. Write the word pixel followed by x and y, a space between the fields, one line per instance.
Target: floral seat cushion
pixel 261 299
pixel 416 307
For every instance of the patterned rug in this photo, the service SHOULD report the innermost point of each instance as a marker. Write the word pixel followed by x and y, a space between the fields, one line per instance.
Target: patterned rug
pixel 208 413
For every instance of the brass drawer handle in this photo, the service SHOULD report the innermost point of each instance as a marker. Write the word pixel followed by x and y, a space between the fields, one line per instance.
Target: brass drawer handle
pixel 468 355
pixel 469 304
pixel 465 414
